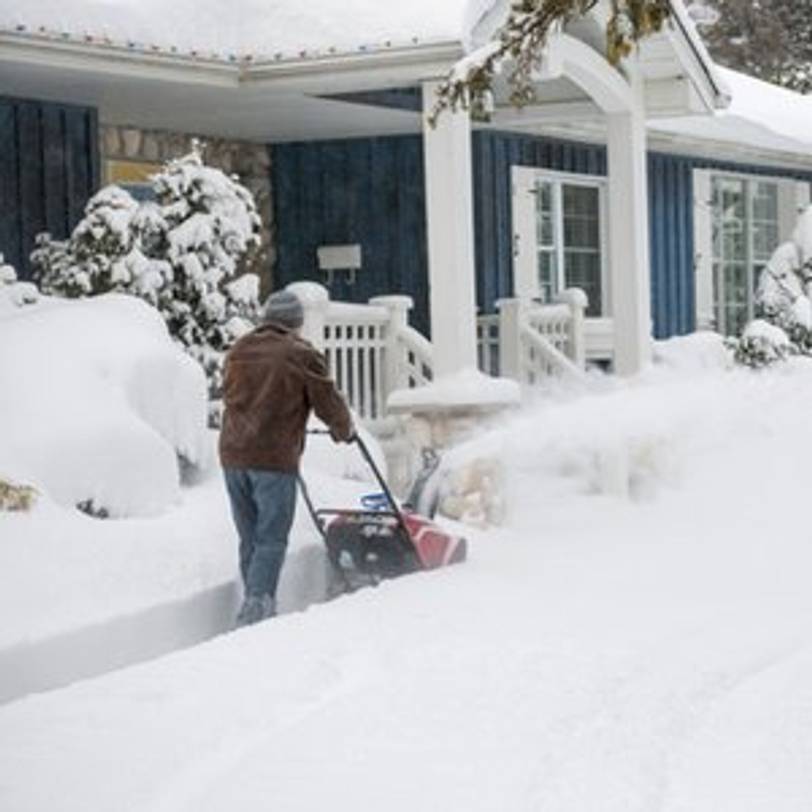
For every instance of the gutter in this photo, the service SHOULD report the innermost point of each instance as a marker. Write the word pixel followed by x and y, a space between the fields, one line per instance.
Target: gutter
pixel 425 61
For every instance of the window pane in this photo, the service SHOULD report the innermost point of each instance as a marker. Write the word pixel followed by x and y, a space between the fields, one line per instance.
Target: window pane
pixel 765 201
pixel 581 217
pixel 583 270
pixel 765 240
pixel 729 200
pixel 582 242
pixel 545 223
pixel 548 285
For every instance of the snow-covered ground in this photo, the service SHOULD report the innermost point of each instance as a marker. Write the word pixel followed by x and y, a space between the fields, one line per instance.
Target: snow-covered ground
pixel 637 637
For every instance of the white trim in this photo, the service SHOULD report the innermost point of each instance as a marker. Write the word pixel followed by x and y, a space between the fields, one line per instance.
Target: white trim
pixel 450 237
pixel 567 57
pixel 337 72
pixel 711 149
pixel 703 250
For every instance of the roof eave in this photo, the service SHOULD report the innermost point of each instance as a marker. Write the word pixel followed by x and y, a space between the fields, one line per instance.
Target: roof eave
pixel 307 73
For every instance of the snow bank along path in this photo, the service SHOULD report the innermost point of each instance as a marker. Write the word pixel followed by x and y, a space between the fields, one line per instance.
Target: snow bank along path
pixel 114 593
pixel 645 653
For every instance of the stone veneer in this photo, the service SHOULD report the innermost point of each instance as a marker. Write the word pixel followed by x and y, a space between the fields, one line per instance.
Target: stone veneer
pixel 250 161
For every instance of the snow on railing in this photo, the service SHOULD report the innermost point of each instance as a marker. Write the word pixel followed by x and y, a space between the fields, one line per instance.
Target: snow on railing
pixel 529 342
pixel 370 348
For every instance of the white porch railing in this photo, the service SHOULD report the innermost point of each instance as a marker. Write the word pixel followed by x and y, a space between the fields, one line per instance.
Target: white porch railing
pixel 370 348
pixel 372 351
pixel 529 342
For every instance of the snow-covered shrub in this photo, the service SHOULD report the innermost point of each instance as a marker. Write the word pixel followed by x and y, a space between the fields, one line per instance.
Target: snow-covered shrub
pixel 14 496
pixel 14 294
pixel 763 344
pixel 102 405
pixel 182 254
pixel 783 303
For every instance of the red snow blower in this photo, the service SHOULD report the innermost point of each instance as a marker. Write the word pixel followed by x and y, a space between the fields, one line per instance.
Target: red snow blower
pixel 382 540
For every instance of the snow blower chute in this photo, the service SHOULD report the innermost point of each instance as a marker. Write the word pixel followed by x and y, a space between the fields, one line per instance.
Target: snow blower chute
pixel 382 540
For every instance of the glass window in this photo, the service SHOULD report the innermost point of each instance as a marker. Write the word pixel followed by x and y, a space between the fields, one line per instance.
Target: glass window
pixel 745 235
pixel 568 236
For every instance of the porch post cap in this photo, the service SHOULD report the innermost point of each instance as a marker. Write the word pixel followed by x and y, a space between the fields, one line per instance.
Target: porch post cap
pixel 394 301
pixel 310 294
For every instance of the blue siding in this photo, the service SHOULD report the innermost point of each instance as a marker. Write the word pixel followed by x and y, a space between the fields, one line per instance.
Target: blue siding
pixel 366 191
pixel 371 191
pixel 48 169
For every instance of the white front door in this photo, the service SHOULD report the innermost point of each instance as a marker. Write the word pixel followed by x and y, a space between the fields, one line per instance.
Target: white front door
pixel 559 242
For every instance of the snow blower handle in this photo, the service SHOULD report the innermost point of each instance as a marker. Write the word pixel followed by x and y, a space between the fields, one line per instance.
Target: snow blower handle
pixel 365 453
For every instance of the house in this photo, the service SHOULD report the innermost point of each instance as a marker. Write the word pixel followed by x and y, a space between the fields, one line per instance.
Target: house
pixel 659 190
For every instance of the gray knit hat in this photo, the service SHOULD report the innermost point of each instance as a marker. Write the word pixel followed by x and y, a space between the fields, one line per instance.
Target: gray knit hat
pixel 283 308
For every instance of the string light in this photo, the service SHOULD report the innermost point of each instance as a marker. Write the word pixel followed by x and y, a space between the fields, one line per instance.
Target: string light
pixel 195 54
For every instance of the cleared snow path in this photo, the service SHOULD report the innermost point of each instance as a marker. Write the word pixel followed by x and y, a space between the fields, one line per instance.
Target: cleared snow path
pixel 128 591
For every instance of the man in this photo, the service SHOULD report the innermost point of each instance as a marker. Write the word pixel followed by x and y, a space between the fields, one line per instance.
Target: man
pixel 273 379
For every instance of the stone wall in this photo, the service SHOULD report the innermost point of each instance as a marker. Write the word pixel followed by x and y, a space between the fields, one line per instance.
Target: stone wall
pixel 251 162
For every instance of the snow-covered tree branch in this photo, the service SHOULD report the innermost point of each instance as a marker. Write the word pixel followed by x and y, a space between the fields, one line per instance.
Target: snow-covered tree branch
pixel 519 45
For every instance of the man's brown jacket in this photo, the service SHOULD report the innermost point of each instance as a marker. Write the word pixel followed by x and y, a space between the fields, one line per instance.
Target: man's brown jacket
pixel 273 379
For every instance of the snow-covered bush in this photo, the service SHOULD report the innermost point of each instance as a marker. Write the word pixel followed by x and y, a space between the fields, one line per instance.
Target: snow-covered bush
pixel 763 344
pixel 14 496
pixel 181 253
pixel 14 294
pixel 783 303
pixel 102 405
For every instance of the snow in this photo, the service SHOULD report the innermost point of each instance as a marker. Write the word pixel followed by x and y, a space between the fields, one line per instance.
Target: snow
pixel 463 389
pixel 634 648
pixel 257 28
pixel 761 115
pixel 97 402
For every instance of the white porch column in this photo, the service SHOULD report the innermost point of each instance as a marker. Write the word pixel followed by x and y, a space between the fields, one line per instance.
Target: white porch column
pixel 450 226
pixel 628 238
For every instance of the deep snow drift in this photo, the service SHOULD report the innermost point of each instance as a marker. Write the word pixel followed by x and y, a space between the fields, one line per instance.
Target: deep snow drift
pixel 97 403
pixel 638 637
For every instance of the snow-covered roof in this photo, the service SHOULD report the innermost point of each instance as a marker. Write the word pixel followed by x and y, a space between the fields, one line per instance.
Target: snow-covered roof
pixel 761 116
pixel 248 28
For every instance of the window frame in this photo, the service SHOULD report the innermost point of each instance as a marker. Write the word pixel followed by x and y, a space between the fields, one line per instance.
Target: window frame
pixel 521 184
pixel 750 261
pixel 794 195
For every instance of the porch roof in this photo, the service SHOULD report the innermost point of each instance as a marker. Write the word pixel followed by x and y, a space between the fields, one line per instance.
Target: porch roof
pixel 307 56
pixel 249 29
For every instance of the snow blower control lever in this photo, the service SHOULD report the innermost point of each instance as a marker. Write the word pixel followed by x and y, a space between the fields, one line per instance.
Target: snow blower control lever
pixel 382 540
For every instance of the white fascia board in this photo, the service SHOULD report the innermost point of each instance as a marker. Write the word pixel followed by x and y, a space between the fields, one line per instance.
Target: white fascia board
pixel 549 114
pixel 67 55
pixel 391 68
pixel 714 150
pixel 380 69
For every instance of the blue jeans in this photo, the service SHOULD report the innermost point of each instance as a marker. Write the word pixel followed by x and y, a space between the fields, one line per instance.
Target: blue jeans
pixel 262 504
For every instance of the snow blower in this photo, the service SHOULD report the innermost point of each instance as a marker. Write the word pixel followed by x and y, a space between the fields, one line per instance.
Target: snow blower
pixel 381 540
